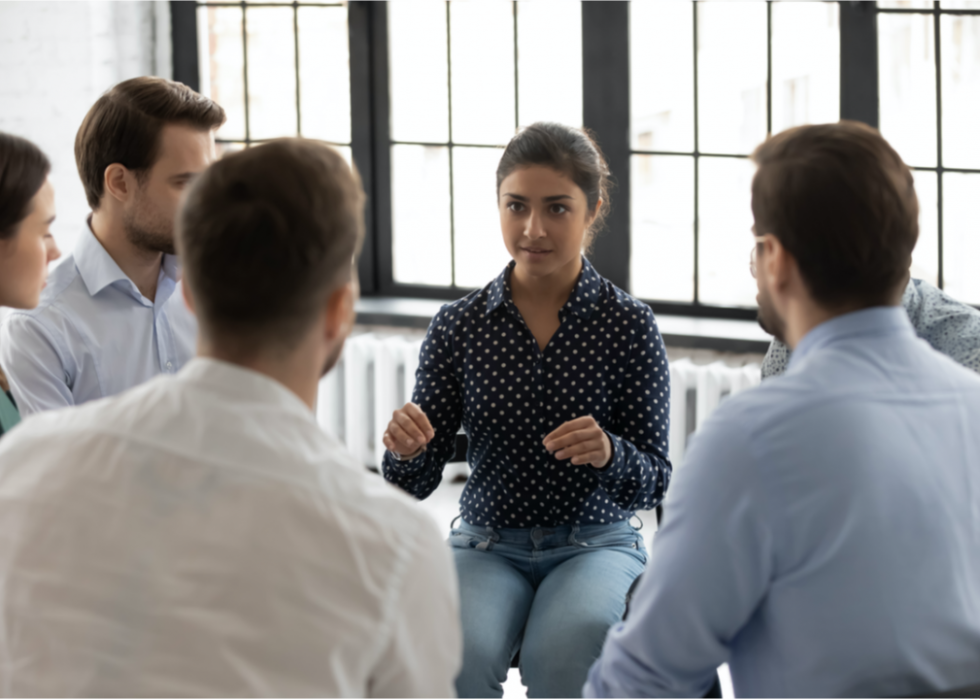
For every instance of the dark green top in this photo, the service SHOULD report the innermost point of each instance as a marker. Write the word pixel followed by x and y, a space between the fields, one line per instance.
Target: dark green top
pixel 9 415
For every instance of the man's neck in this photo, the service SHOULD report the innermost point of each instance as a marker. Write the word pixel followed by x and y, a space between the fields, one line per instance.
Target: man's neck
pixel 808 315
pixel 300 376
pixel 141 266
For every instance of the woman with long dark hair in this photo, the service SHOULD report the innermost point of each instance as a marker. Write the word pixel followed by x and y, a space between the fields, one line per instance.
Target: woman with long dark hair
pixel 26 243
pixel 560 380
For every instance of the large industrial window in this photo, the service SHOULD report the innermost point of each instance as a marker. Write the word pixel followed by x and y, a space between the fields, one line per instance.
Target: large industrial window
pixel 278 69
pixel 463 77
pixel 929 63
pixel 708 81
pixel 678 93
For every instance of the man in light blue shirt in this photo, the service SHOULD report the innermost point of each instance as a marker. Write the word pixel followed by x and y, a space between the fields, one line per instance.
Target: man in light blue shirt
pixel 822 536
pixel 112 315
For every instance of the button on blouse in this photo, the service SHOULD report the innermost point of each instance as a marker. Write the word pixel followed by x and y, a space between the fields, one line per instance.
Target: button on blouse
pixel 481 367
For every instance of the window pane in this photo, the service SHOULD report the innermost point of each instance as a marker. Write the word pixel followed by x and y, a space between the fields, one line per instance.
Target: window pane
pixel 549 61
pixel 324 69
pixel 906 4
pixel 961 90
pixel 345 151
pixel 907 86
pixel 480 250
pixel 732 67
pixel 482 72
pixel 230 147
pixel 271 72
pixel 420 215
pixel 725 232
pixel 961 244
pixel 662 76
pixel 959 4
pixel 662 243
pixel 925 257
pixel 222 64
pixel 418 71
pixel 805 63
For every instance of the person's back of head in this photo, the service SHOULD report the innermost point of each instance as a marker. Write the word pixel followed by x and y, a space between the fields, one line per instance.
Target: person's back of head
pixel 269 237
pixel 840 200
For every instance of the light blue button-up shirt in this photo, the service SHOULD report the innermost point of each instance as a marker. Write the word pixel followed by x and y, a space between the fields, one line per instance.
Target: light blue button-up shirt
pixel 93 333
pixel 823 534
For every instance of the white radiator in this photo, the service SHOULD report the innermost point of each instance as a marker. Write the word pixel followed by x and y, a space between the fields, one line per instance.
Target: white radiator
pixel 695 391
pixel 376 376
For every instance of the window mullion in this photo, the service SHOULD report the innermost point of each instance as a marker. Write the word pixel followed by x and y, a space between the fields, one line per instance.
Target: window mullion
pixel 606 111
pixel 859 62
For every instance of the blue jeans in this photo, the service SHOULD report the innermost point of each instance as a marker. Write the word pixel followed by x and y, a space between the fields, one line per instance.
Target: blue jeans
pixel 551 593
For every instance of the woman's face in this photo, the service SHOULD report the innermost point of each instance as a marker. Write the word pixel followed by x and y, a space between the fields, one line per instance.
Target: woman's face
pixel 24 257
pixel 545 218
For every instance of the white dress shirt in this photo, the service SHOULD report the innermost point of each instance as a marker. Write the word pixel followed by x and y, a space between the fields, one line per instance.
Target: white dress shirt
pixel 94 334
pixel 201 535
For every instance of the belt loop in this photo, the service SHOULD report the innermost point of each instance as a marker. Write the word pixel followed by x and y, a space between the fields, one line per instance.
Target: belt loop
pixel 571 535
pixel 492 538
pixel 452 525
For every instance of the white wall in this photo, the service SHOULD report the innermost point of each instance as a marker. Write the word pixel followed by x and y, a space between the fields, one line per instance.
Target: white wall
pixel 56 58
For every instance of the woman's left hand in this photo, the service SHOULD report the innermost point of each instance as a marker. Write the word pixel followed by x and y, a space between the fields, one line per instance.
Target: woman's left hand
pixel 581 440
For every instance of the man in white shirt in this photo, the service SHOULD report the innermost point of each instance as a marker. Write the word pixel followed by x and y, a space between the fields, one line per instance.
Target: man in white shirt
pixel 112 315
pixel 200 535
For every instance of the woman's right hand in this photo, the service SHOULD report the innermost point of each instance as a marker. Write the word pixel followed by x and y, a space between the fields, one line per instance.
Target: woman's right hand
pixel 408 432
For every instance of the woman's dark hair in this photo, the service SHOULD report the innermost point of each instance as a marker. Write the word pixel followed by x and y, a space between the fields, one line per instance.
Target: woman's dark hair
pixel 842 202
pixel 23 169
pixel 572 152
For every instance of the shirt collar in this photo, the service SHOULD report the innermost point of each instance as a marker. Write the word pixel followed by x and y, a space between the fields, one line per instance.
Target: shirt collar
pixel 868 322
pixel 239 385
pixel 98 270
pixel 582 301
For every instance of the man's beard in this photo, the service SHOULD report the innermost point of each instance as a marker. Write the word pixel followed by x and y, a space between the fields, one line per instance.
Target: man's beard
pixel 332 359
pixel 768 319
pixel 148 231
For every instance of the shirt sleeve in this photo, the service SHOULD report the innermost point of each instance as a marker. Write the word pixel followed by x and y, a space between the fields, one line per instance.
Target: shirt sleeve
pixel 949 326
pixel 639 472
pixel 439 395
pixel 708 571
pixel 425 648
pixel 33 365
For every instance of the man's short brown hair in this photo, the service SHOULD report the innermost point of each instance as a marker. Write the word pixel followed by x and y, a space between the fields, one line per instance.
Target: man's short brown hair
pixel 266 234
pixel 841 201
pixel 124 125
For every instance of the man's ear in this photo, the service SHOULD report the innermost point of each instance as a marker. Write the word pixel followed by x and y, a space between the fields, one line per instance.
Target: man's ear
pixel 779 263
pixel 188 296
pixel 340 314
pixel 119 182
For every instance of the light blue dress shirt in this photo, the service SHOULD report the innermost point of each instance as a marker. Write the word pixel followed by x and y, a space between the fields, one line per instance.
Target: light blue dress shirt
pixel 823 534
pixel 93 333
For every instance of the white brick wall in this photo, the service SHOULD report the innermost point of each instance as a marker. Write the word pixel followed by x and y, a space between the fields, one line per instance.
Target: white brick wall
pixel 56 58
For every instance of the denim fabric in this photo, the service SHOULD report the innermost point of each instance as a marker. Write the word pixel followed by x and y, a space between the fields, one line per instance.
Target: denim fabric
pixel 550 592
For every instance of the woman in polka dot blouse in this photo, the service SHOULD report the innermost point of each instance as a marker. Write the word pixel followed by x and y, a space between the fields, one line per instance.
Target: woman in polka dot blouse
pixel 561 383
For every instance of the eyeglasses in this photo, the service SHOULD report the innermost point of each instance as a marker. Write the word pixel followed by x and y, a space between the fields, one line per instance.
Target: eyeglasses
pixel 754 252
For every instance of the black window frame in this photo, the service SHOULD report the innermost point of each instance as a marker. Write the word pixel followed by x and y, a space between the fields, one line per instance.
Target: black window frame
pixel 606 90
pixel 936 11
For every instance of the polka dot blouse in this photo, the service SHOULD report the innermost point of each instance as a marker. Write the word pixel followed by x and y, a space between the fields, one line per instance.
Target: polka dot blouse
pixel 481 367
